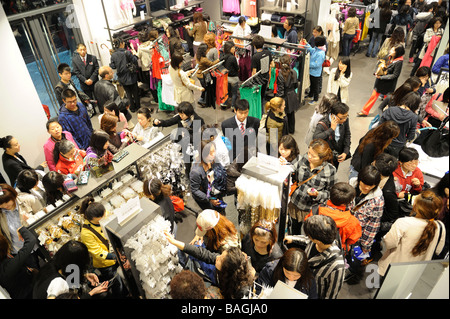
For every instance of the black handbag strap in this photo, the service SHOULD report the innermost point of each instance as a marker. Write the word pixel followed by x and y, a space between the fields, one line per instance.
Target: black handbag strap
pixel 96 233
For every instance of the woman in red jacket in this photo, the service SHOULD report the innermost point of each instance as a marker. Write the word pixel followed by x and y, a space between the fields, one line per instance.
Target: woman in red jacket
pixel 68 159
pixel 408 175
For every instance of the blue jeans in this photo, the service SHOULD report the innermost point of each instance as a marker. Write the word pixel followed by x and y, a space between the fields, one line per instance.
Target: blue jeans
pixel 346 42
pixel 374 44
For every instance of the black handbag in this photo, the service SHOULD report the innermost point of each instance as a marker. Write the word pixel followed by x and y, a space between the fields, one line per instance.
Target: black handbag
pixel 436 142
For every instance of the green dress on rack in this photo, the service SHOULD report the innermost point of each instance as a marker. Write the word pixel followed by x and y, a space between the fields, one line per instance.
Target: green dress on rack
pixel 253 95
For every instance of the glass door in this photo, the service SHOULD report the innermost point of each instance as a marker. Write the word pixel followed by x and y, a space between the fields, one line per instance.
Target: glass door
pixel 46 40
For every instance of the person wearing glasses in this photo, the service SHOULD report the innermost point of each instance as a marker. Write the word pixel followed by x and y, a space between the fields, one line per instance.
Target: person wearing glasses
pixel 74 118
pixel 334 128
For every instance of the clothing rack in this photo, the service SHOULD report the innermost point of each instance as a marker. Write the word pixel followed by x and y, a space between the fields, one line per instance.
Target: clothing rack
pixel 281 52
pixel 213 67
pixel 254 75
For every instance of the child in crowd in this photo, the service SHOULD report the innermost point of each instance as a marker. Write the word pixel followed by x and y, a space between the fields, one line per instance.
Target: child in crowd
pixel 315 67
pixel 408 176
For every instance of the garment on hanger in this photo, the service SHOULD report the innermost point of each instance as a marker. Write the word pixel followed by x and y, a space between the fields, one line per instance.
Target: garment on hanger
pixel 231 6
pixel 253 95
pixel 258 199
pixel 249 8
pixel 245 62
pixel 161 105
pixel 221 87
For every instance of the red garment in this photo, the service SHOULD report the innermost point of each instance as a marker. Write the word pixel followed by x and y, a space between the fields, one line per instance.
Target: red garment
pixel 428 58
pixel 65 166
pixel 157 64
pixel 221 87
pixel 404 181
pixel 348 225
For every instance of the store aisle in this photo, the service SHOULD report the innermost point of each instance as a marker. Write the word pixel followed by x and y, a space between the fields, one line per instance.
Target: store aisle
pixel 360 89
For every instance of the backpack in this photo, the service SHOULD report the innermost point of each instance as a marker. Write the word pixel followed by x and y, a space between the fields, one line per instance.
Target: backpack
pixel 220 178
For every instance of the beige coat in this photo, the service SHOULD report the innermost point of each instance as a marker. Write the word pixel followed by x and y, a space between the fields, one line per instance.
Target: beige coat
pixel 182 86
pixel 401 239
pixel 342 82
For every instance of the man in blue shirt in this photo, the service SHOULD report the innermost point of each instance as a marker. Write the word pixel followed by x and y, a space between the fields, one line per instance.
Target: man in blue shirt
pixel 74 118
pixel 291 32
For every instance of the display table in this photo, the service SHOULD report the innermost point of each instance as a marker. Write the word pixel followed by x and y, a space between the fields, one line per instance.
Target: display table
pixel 433 168
pixel 135 152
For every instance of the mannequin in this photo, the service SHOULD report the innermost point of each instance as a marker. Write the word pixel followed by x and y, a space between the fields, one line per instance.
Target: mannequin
pixel 127 10
pixel 332 33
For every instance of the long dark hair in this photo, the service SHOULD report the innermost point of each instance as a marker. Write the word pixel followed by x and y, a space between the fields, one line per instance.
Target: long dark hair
pixel 345 60
pixel 285 61
pixel 201 51
pixel 294 259
pixel 53 183
pixel 234 277
pixel 426 206
pixel 386 11
pixel 380 136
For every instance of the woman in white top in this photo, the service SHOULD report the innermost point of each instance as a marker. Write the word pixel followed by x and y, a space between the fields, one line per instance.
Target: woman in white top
pixel 415 238
pixel 340 78
pixel 144 131
pixel 182 83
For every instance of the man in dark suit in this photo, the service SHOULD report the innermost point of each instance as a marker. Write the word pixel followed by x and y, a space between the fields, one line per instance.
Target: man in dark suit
pixel 85 67
pixel 241 129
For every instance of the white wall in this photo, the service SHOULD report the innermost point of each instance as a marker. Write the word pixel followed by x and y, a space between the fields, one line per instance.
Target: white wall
pixel 22 115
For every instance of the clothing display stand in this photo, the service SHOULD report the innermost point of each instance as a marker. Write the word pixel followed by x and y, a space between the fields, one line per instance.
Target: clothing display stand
pixel 260 169
pixel 211 68
pixel 285 8
pixel 63 222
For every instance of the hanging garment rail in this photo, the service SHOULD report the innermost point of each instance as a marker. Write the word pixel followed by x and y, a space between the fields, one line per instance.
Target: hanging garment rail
pixel 213 67
pixel 281 52
pixel 243 83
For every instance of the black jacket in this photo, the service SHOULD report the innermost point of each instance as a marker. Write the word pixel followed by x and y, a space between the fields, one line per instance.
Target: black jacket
pixel 231 130
pixel 391 210
pixel 387 83
pixel 14 166
pixel 326 133
pixel 85 72
pixel 119 60
pixel 286 90
pixel 196 125
pixel 231 64
pixel 105 91
pixel 14 275
pixel 61 86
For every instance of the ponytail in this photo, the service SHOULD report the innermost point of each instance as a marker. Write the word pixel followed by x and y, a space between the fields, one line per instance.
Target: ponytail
pixel 274 104
pixel 426 206
pixel 91 209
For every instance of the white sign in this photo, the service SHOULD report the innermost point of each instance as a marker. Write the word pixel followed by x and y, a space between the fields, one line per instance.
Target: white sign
pixel 128 210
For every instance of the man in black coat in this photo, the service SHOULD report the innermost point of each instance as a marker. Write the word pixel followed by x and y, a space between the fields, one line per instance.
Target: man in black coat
pixel 85 67
pixel 334 128
pixel 241 129
pixel 105 91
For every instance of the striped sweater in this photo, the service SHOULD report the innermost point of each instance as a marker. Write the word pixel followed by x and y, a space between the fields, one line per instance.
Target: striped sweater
pixel 328 267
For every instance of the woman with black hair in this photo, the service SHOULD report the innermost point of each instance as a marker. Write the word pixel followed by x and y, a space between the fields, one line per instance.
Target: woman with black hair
pixel 71 259
pixel 29 195
pixel 121 61
pixel 112 109
pixel 144 131
pixel 292 269
pixel 287 83
pixel 233 271
pixel 54 187
pixel 386 83
pixel 340 78
pixel 98 246
pixel 368 204
pixel 13 162
pixel 183 87
pixel 405 116
pixel 384 17
pixel 98 147
pixel 206 80
pixel 230 63
pixel 160 193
